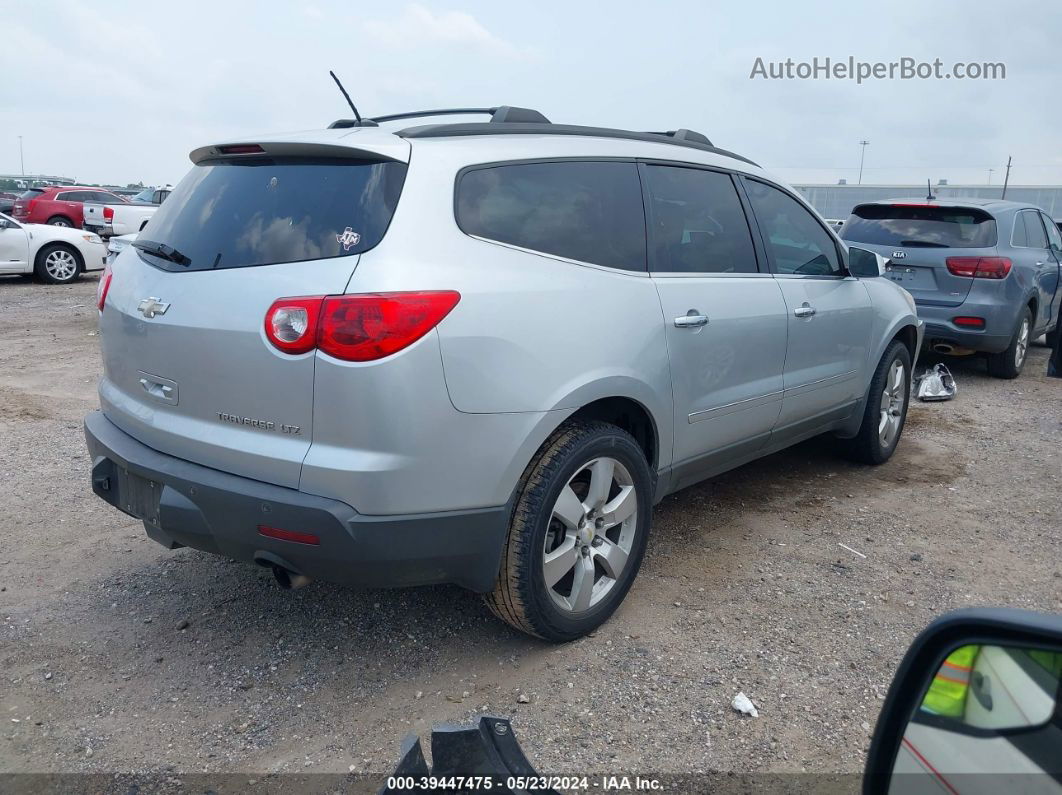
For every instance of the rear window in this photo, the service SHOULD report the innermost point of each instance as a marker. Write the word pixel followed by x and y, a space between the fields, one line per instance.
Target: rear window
pixel 916 226
pixel 586 211
pixel 262 211
pixel 32 193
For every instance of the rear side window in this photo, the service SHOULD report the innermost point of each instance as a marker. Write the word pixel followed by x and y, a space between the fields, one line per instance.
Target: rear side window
pixel 586 211
pixel 262 211
pixel 920 226
pixel 1035 235
pixel 697 222
pixel 797 242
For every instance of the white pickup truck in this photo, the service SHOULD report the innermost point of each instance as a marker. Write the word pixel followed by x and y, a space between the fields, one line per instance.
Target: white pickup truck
pixel 124 219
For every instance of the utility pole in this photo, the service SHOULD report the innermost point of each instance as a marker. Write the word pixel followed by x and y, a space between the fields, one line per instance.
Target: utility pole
pixel 990 175
pixel 862 154
pixel 1006 179
pixel 21 162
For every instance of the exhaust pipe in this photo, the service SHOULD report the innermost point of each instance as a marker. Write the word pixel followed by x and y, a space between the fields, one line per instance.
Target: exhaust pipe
pixel 290 580
pixel 948 349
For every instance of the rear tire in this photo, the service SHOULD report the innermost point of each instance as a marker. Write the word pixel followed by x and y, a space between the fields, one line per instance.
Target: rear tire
pixel 885 413
pixel 58 264
pixel 60 220
pixel 578 533
pixel 1008 363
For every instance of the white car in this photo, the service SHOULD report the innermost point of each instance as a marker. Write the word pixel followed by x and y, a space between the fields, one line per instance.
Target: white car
pixel 56 254
pixel 125 218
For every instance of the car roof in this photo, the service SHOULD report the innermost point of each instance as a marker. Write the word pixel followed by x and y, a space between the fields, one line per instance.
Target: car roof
pixel 522 127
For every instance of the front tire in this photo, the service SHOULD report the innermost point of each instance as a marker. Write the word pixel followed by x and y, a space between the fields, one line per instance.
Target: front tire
pixel 577 535
pixel 58 264
pixel 886 408
pixel 1008 363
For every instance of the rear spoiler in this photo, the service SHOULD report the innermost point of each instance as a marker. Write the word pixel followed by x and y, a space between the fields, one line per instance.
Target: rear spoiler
pixel 396 150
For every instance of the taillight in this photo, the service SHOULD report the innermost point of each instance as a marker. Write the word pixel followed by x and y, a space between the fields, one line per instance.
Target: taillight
pixel 241 149
pixel 108 213
pixel 356 328
pixel 979 267
pixel 291 323
pixel 103 286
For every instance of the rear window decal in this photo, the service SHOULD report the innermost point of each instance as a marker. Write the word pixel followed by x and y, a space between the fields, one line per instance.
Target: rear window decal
pixel 348 238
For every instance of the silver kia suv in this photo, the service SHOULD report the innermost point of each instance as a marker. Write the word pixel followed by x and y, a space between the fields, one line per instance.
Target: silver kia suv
pixel 477 353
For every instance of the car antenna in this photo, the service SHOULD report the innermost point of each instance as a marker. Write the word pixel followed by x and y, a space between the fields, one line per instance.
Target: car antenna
pixel 929 187
pixel 346 96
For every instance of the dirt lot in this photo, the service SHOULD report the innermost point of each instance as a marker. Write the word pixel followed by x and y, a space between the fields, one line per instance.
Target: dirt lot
pixel 117 655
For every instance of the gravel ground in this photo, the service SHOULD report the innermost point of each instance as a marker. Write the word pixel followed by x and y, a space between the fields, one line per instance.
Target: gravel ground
pixel 119 656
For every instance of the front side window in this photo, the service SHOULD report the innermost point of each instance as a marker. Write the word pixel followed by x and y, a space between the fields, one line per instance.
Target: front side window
pixel 587 211
pixel 798 244
pixel 697 222
pixel 261 211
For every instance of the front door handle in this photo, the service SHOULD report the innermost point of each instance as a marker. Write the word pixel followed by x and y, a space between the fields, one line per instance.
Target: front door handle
pixel 804 310
pixel 691 319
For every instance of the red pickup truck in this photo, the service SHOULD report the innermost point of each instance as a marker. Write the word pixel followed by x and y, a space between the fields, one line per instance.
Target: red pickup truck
pixel 59 205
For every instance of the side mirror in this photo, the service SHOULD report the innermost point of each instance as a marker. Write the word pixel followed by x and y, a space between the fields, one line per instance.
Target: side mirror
pixel 866 263
pixel 977 693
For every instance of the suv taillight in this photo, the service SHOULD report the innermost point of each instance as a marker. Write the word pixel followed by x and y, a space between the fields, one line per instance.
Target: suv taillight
pixel 356 328
pixel 979 267
pixel 103 286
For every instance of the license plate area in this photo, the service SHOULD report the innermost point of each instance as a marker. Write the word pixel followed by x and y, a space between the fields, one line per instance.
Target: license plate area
pixel 912 277
pixel 139 496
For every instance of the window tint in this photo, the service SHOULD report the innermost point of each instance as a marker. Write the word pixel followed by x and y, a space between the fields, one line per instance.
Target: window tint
pixel 1020 238
pixel 1053 235
pixel 106 198
pixel 587 211
pixel 1034 230
pixel 920 226
pixel 698 224
pixel 234 214
pixel 797 242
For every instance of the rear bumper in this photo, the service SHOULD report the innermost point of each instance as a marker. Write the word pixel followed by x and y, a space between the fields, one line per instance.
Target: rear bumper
pixel 186 504
pixel 948 334
pixel 993 338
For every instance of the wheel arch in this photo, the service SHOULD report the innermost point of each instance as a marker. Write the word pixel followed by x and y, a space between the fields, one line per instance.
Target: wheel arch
pixel 42 252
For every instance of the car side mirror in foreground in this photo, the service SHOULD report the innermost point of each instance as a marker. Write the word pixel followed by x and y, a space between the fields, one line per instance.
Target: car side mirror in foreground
pixel 866 263
pixel 974 707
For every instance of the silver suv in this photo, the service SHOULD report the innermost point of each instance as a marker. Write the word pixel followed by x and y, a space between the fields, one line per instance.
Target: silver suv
pixel 477 353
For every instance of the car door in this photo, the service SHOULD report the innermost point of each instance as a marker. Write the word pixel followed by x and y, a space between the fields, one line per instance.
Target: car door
pixel 724 315
pixel 14 247
pixel 829 313
pixel 1037 257
pixel 1054 241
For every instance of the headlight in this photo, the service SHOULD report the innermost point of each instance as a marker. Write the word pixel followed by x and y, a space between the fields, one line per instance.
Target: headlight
pixel 92 238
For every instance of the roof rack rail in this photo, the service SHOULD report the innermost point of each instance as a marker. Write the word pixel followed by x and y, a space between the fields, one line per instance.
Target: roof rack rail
pixel 503 114
pixel 683 134
pixel 686 138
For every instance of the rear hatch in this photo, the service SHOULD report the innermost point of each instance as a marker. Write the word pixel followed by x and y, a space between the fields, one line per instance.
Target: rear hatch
pixel 919 239
pixel 188 369
pixel 21 206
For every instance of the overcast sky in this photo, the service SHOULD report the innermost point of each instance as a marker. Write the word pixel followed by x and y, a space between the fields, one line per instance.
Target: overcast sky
pixel 120 92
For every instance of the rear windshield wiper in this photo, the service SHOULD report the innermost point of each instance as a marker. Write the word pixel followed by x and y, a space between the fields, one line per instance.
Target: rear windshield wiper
pixel 162 251
pixel 924 243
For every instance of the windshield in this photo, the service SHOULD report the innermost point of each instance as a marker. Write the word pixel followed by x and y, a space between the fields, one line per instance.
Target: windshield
pixel 920 226
pixel 236 214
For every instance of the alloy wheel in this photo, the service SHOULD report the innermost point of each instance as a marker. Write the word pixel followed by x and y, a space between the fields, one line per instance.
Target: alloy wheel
pixel 590 536
pixel 60 265
pixel 891 407
pixel 1023 344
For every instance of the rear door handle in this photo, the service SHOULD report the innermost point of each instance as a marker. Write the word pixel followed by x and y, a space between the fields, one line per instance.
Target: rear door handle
pixel 691 319
pixel 805 310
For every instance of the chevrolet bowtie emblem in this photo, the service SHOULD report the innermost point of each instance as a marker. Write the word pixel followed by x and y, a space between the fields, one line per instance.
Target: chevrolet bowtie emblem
pixel 150 307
